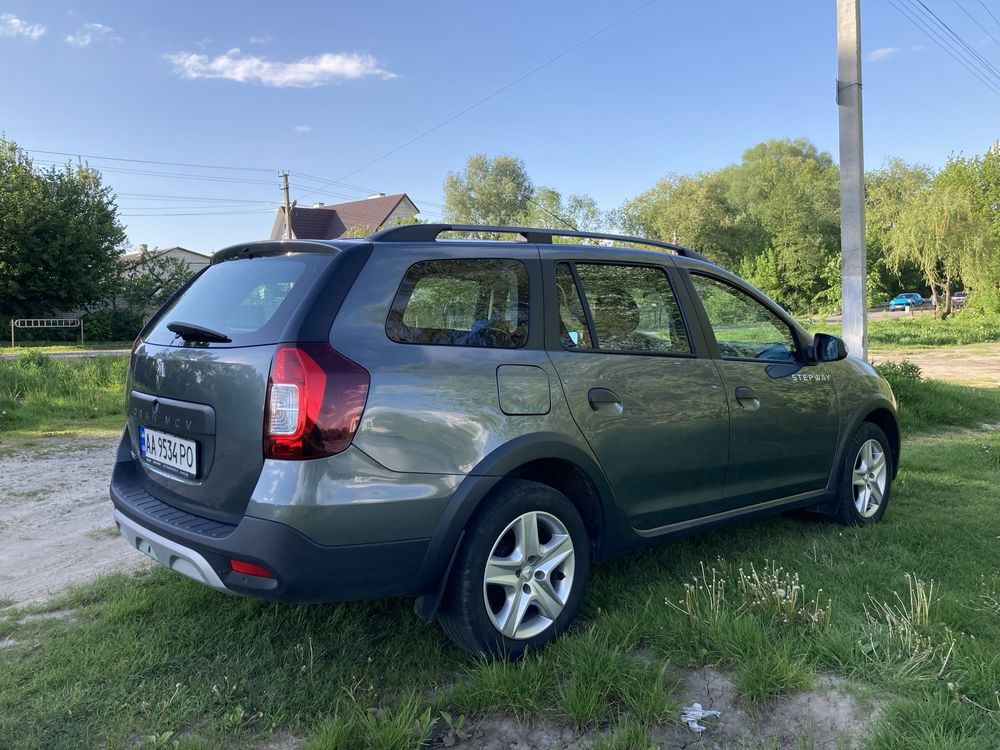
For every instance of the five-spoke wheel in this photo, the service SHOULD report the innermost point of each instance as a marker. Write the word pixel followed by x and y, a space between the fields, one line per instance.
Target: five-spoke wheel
pixel 520 572
pixel 867 477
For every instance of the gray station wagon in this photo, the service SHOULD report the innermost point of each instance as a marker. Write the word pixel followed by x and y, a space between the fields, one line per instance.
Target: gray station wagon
pixel 476 422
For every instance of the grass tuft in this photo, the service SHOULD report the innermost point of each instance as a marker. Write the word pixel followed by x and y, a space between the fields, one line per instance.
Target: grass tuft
pixel 43 394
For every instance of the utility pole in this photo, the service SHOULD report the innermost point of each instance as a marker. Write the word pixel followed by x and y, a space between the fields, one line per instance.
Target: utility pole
pixel 852 179
pixel 288 206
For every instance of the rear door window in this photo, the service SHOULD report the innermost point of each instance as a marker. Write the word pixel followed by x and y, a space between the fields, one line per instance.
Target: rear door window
pixel 475 302
pixel 631 309
pixel 248 300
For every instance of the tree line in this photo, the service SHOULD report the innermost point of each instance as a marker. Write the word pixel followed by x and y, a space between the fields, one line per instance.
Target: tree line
pixel 774 218
pixel 61 245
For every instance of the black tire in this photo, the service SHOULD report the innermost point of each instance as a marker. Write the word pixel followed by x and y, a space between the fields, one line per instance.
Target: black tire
pixel 847 512
pixel 464 614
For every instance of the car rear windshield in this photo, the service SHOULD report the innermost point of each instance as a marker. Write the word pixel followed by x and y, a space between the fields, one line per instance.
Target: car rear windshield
pixel 247 300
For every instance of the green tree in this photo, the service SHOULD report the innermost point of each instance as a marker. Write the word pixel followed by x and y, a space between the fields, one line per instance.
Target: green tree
pixel 791 189
pixel 60 236
pixel 887 191
pixel 697 212
pixel 488 191
pixel 548 208
pixel 942 231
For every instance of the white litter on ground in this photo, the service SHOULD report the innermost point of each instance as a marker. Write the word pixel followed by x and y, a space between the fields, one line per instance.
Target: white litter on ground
pixel 693 714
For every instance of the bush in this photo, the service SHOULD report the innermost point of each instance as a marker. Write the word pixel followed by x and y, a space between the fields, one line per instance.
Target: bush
pixel 899 372
pixel 112 325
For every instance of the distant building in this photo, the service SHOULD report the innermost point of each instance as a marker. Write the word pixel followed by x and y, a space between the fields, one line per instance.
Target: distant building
pixel 328 222
pixel 195 260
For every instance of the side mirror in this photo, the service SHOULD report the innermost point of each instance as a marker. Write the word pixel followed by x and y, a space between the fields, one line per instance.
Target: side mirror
pixel 828 348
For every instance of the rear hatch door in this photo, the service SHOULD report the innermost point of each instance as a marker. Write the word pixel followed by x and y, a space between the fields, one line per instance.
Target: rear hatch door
pixel 196 407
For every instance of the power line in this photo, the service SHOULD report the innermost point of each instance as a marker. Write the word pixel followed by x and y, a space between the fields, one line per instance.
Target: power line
pixel 494 94
pixel 983 63
pixel 176 175
pixel 966 12
pixel 160 196
pixel 359 188
pixel 943 43
pixel 990 12
pixel 149 161
pixel 555 216
pixel 206 213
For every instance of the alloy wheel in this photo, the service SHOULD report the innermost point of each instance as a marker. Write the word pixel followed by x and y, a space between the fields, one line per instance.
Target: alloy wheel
pixel 529 575
pixel 870 478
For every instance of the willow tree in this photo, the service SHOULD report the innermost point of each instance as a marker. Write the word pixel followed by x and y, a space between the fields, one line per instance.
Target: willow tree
pixel 941 230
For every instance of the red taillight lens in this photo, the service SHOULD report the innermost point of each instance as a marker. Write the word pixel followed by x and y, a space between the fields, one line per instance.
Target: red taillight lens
pixel 315 398
pixel 250 569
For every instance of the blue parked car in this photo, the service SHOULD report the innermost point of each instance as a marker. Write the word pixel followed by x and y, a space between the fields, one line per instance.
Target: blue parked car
pixel 905 301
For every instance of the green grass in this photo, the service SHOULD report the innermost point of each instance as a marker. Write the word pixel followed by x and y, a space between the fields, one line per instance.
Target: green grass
pixel 922 331
pixel 934 404
pixel 40 394
pixel 154 655
pixel 49 347
pixel 154 660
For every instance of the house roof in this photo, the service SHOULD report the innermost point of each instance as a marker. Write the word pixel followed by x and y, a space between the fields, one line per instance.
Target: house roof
pixel 332 221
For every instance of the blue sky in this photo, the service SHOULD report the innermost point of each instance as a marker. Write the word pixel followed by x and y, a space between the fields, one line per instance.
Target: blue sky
pixel 323 88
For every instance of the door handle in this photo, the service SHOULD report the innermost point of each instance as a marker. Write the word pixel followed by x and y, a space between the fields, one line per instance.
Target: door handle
pixel 746 398
pixel 604 400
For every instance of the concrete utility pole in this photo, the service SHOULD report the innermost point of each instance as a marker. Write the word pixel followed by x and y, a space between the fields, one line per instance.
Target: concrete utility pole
pixel 288 206
pixel 852 179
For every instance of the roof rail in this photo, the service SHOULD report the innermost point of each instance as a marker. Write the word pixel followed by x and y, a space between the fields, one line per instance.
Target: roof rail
pixel 534 235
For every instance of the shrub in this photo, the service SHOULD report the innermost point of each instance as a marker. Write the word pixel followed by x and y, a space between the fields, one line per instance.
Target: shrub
pixel 111 324
pixel 899 372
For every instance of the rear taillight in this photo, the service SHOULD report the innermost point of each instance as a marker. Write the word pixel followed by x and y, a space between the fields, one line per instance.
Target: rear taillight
pixel 315 398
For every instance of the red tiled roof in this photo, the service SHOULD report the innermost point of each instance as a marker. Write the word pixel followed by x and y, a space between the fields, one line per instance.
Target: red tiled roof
pixel 332 221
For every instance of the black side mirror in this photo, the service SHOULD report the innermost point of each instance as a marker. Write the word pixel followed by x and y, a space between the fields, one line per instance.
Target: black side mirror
pixel 828 348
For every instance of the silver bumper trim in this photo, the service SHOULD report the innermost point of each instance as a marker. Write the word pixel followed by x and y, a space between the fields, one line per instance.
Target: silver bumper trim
pixel 170 554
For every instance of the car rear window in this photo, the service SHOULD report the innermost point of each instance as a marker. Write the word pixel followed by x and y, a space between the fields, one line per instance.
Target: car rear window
pixel 475 302
pixel 248 300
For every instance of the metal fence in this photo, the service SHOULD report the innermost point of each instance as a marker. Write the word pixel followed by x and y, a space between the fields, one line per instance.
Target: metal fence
pixel 45 323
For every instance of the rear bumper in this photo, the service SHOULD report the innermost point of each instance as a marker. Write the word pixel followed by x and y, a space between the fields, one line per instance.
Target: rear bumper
pixel 303 570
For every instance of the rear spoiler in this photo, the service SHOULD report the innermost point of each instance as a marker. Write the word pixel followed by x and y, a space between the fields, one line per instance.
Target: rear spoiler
pixel 263 248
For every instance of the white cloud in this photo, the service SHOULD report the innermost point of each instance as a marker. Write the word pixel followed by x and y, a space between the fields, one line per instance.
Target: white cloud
pixel 308 71
pixel 90 33
pixel 302 128
pixel 11 25
pixel 262 39
pixel 882 53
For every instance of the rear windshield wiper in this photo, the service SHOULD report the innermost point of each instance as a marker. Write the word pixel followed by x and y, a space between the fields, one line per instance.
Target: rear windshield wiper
pixel 191 332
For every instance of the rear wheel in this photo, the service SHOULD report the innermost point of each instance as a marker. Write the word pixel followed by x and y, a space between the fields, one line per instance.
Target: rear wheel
pixel 866 479
pixel 519 577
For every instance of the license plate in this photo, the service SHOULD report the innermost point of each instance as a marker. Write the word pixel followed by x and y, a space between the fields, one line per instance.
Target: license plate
pixel 169 451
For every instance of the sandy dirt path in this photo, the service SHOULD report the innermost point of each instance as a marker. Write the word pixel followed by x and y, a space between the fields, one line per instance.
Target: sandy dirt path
pixel 55 516
pixel 974 364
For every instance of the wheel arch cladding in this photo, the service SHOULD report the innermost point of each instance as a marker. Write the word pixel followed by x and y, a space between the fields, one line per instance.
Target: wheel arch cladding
pixel 548 459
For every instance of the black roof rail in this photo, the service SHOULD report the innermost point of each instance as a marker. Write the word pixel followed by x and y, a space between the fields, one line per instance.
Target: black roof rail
pixel 534 235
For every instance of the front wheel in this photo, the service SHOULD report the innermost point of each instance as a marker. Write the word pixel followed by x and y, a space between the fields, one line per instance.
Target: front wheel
pixel 866 478
pixel 519 576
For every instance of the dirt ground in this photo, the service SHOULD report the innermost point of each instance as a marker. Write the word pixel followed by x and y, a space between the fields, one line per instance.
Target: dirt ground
pixel 831 716
pixel 974 364
pixel 55 516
